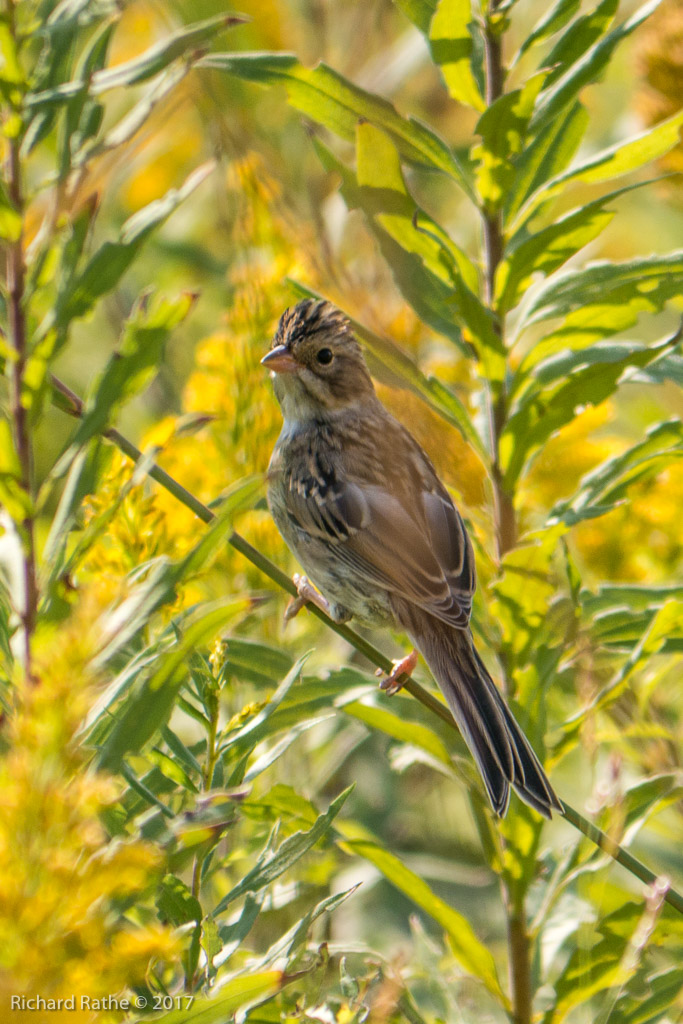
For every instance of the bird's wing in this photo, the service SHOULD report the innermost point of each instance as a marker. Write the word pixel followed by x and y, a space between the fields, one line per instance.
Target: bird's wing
pixel 423 555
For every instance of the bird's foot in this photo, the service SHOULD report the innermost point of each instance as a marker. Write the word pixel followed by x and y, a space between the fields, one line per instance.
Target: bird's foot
pixel 403 667
pixel 307 594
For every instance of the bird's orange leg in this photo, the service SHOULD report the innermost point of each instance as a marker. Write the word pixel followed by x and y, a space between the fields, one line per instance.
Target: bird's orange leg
pixel 403 667
pixel 307 595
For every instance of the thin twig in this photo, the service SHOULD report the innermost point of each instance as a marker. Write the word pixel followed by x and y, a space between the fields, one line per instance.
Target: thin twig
pixel 372 653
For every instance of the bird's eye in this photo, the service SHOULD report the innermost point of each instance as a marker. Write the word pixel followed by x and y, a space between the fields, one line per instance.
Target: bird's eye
pixel 325 356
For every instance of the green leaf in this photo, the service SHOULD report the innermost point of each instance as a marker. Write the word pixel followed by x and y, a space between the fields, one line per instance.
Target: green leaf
pixel 545 157
pixel 237 994
pixel 254 662
pixel 260 726
pixel 271 865
pixel 62 557
pixel 294 939
pixel 622 158
pixel 106 268
pixel 415 257
pixel 653 1003
pixel 621 614
pixel 174 771
pixel 605 487
pixel 150 704
pixel 552 21
pixel 420 12
pixel 159 56
pixel 587 974
pixel 265 760
pixel 151 62
pixel 13 495
pixel 452 47
pixel 333 101
pixel 83 116
pixel 468 950
pixel 131 367
pixel 601 300
pixel 522 835
pixel 580 35
pixel 644 797
pixel 142 790
pixel 128 127
pixel 428 267
pixel 503 128
pixel 281 800
pixel 551 247
pixel 587 68
pixel 401 729
pixel 524 590
pixel 232 935
pixel 663 624
pixel 175 903
pixel 211 941
pixel 547 404
pixel 180 751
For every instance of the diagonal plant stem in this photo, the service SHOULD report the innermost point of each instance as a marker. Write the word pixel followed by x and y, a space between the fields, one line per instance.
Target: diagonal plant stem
pixel 74 407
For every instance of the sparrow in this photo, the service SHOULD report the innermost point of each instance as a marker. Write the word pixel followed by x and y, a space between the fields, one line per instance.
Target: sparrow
pixel 360 505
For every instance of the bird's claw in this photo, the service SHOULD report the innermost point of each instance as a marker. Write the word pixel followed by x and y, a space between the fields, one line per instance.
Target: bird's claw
pixel 402 668
pixel 307 594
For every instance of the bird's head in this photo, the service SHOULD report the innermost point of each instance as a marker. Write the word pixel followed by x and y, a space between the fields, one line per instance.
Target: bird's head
pixel 317 364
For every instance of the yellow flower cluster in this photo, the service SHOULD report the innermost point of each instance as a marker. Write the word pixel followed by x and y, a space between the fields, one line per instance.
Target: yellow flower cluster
pixel 61 932
pixel 134 534
pixel 640 540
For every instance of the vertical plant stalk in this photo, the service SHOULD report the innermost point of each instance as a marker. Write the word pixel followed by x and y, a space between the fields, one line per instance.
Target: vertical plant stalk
pixel 16 321
pixel 505 523
pixel 519 947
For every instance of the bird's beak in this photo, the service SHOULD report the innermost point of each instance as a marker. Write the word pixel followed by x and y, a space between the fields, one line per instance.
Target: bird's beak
pixel 280 359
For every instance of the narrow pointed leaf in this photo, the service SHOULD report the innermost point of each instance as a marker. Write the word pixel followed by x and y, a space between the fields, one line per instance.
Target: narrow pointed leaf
pixel 552 21
pixel 544 158
pixel 149 705
pixel 289 852
pixel 622 158
pixel 548 249
pixel 237 994
pixel 588 68
pixel 470 952
pixel 333 101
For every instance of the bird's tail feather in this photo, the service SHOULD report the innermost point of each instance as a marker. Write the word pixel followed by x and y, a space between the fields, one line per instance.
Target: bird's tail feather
pixel 500 748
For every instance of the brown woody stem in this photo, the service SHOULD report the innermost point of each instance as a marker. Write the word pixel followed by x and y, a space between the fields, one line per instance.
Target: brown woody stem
pixel 16 330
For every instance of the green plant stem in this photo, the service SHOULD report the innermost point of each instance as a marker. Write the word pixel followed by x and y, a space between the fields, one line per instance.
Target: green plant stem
pixel 514 895
pixel 492 226
pixel 207 779
pixel 16 323
pixel 74 407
